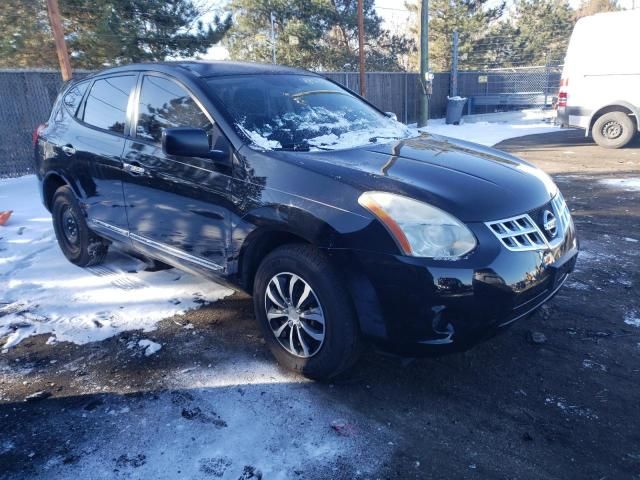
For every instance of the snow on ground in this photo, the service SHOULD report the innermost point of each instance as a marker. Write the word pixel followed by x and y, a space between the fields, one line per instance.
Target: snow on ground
pixel 490 129
pixel 628 184
pixel 41 292
pixel 150 347
pixel 243 418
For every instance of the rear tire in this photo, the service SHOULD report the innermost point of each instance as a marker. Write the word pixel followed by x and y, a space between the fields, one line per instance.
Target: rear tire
pixel 613 130
pixel 80 245
pixel 318 335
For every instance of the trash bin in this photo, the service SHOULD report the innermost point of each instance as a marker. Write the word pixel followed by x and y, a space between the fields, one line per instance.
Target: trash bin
pixel 455 106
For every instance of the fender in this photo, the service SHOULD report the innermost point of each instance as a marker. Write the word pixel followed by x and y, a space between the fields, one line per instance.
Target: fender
pixel 622 103
pixel 271 226
pixel 266 227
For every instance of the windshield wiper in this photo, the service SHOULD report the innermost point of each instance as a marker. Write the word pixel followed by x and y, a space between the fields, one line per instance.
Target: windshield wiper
pixel 375 139
pixel 317 92
pixel 294 147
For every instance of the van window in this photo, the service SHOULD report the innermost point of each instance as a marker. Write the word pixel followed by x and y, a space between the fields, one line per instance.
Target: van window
pixel 74 96
pixel 106 105
pixel 164 104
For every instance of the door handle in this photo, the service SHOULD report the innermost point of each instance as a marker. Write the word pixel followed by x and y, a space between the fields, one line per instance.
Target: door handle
pixel 133 169
pixel 68 149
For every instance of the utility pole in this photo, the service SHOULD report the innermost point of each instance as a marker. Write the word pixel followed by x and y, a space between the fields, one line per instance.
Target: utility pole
pixel 273 36
pixel 425 80
pixel 58 37
pixel 361 45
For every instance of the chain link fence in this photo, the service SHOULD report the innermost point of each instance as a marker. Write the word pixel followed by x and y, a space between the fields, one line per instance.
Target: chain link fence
pixel 509 88
pixel 25 101
pixel 26 98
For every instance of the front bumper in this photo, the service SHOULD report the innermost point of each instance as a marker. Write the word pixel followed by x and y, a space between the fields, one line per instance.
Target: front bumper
pixel 426 306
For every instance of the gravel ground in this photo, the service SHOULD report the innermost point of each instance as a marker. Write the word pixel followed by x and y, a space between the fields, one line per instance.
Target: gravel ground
pixel 556 396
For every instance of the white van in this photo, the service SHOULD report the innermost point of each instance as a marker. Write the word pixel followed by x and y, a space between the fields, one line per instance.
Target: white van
pixel 600 86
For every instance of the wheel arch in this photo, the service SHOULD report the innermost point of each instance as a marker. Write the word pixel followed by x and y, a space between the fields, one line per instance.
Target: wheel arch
pixel 318 233
pixel 258 244
pixel 52 182
pixel 618 106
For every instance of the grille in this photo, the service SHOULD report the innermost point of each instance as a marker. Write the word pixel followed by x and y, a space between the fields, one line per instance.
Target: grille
pixel 518 233
pixel 522 233
pixel 561 210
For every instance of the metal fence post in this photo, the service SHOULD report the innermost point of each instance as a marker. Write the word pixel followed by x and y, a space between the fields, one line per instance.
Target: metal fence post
pixel 454 65
pixel 406 99
pixel 546 79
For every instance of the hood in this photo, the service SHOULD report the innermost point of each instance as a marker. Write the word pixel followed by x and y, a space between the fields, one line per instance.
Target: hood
pixel 470 181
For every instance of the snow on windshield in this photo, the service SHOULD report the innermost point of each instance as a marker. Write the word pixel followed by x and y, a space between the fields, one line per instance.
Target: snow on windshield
pixel 318 128
pixel 302 113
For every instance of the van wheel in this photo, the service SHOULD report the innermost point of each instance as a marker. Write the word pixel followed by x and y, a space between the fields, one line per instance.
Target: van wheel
pixel 79 244
pixel 613 130
pixel 305 313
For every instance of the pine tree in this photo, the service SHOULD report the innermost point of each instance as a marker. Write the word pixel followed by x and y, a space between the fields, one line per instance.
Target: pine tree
pixel 472 19
pixel 316 34
pixel 591 7
pixel 105 32
pixel 542 31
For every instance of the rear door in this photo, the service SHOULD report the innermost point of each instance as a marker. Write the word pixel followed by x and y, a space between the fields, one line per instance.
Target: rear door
pixel 96 143
pixel 177 207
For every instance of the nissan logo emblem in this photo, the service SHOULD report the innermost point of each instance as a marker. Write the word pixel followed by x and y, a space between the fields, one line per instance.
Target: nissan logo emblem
pixel 550 223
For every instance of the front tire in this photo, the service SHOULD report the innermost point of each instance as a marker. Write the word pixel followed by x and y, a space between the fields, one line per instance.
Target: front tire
pixel 613 130
pixel 305 313
pixel 80 245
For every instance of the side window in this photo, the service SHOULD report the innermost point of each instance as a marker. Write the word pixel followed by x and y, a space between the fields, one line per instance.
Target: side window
pixel 164 104
pixel 74 96
pixel 106 105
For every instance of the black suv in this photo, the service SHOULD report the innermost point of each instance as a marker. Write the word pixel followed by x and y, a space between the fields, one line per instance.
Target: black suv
pixel 343 223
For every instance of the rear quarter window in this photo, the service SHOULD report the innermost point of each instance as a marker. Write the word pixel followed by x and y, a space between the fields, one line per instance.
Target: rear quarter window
pixel 73 97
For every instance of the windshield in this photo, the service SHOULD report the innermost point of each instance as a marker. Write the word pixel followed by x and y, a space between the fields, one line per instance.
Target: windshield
pixel 298 112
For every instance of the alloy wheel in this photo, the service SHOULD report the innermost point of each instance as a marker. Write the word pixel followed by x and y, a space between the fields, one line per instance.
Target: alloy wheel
pixel 294 314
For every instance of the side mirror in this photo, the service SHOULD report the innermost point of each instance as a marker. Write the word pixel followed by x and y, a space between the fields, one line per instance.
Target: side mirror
pixel 185 142
pixel 391 115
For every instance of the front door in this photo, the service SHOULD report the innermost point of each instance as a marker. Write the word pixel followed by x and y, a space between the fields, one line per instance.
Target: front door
pixel 177 207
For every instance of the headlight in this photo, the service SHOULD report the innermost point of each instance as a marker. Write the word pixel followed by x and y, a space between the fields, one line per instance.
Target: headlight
pixel 420 229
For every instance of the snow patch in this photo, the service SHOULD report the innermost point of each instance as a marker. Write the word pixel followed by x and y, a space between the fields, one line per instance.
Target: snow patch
pixel 576 285
pixel 489 133
pixel 570 409
pixel 586 363
pixel 322 129
pixel 260 141
pixel 42 293
pixel 628 184
pixel 632 318
pixel 247 415
pixel 150 347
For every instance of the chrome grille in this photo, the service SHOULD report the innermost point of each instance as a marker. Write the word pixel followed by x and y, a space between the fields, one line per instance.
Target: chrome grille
pixel 561 210
pixel 522 233
pixel 518 233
